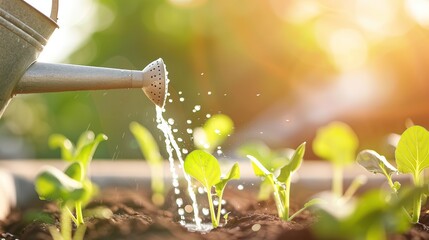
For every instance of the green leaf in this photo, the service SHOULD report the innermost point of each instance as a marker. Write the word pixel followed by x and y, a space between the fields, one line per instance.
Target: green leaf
pixel 258 168
pixel 234 173
pixel 87 151
pixel 147 143
pixel 204 167
pixel 66 146
pixel 52 184
pixel 336 142
pixel 293 164
pixel 214 132
pixel 375 163
pixel 74 171
pixel 412 153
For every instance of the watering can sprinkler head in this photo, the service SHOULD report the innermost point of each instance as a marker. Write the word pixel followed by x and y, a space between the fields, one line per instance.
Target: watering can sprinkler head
pixel 24 32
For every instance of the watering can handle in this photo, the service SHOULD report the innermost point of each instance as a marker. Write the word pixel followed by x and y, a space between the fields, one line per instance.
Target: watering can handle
pixel 54 10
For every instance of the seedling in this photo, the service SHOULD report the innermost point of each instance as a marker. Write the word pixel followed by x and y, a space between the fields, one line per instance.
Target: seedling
pixel 149 149
pixel 412 156
pixel 214 132
pixel 337 143
pixel 270 159
pixel 81 154
pixel 205 168
pixel 373 216
pixel 282 183
pixel 377 164
pixel 53 185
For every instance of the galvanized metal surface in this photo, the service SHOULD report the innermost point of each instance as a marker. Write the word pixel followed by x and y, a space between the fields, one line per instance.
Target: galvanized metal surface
pixel 24 32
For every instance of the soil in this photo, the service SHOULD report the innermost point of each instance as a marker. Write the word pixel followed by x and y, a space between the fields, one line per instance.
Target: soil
pixel 136 217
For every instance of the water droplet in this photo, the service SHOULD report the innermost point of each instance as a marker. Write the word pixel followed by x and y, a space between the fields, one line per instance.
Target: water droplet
pixel 215 202
pixel 240 187
pixel 182 222
pixel 170 121
pixel 223 202
pixel 188 121
pixel 201 190
pixel 175 130
pixel 261 132
pixel 184 151
pixel 181 211
pixel 189 131
pixel 205 211
pixel 175 183
pixel 170 100
pixel 217 131
pixel 222 211
pixel 258 94
pixel 202 74
pixel 219 152
pixel 197 108
pixel 208 115
pixel 179 202
pixel 209 93
pixel 179 139
pixel 180 92
pixel 182 99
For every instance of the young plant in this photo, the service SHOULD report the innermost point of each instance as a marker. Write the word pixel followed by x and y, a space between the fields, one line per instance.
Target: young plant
pixel 81 155
pixel 270 159
pixel 373 216
pixel 376 163
pixel 337 143
pixel 214 132
pixel 53 185
pixel 149 149
pixel 282 183
pixel 205 168
pixel 412 156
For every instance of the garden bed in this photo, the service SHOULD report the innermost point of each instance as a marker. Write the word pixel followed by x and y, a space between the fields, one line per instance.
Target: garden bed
pixel 136 217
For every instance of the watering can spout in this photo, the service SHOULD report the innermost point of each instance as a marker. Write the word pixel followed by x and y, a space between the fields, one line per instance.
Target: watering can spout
pixel 49 77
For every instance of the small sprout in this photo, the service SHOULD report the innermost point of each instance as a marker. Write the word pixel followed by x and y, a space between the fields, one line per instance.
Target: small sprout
pixel 376 163
pixel 205 168
pixel 71 189
pixel 412 156
pixel 271 160
pixel 150 150
pixel 53 185
pixel 337 143
pixel 214 132
pixel 373 216
pixel 282 183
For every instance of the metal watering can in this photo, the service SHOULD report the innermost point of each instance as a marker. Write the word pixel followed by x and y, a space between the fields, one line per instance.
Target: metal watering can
pixel 24 31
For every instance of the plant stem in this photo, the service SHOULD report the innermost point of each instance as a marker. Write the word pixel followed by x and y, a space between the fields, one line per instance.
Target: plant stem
pixel 337 181
pixel 277 197
pixel 417 204
pixel 79 215
pixel 215 223
pixel 65 223
pixel 219 207
pixel 286 193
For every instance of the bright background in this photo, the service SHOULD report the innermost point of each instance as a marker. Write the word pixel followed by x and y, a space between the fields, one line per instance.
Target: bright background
pixel 279 68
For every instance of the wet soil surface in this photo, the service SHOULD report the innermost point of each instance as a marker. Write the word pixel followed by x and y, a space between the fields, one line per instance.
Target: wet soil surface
pixel 136 217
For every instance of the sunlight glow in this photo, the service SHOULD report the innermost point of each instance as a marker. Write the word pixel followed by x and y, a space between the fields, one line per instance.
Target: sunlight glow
pixel 76 20
pixel 348 48
pixel 419 11
pixel 296 11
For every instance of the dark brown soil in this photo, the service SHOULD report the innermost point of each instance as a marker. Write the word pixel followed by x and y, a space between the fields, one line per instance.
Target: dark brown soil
pixel 135 217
